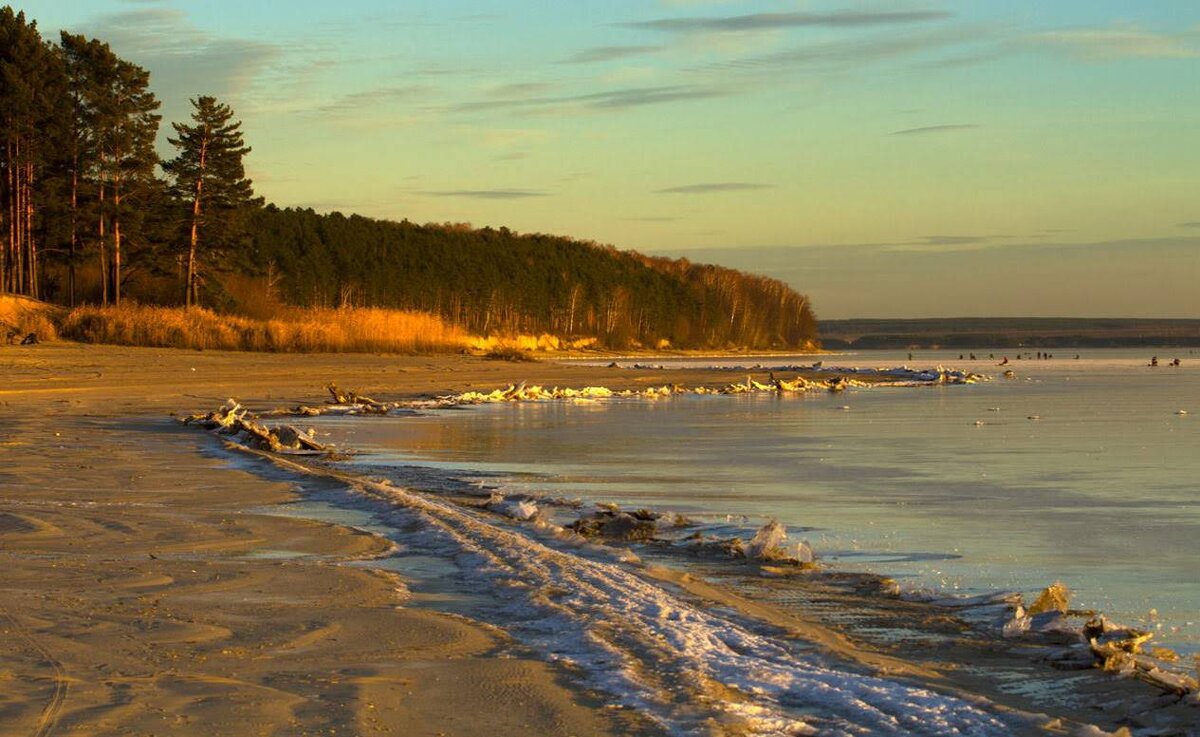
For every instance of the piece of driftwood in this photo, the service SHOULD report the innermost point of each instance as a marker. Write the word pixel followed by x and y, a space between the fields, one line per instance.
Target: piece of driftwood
pixel 350 397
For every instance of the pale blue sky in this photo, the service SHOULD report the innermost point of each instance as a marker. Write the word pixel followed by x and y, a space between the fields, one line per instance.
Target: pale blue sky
pixel 812 140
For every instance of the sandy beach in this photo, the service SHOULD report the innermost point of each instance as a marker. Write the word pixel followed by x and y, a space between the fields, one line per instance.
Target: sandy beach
pixel 144 592
pixel 139 595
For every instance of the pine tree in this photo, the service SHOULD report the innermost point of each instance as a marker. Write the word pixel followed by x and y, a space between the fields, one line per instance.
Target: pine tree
pixel 82 59
pixel 208 173
pixel 110 139
pixel 129 127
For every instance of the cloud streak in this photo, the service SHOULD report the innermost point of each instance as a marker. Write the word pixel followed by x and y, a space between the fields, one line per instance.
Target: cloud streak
pixel 1119 42
pixel 618 99
pixel 356 101
pixel 609 53
pixel 776 21
pixel 932 129
pixel 489 194
pixel 714 187
pixel 856 52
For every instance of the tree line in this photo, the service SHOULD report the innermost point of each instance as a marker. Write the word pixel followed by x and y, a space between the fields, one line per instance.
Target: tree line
pixel 497 280
pixel 90 213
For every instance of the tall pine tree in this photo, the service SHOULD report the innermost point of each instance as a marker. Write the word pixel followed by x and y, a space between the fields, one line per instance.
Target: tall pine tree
pixel 111 149
pixel 209 174
pixel 129 127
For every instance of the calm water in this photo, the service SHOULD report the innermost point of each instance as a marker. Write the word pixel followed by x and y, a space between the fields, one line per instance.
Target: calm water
pixel 1102 492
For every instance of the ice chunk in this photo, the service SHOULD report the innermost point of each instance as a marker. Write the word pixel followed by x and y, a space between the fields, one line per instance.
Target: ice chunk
pixel 767 543
pixel 523 509
pixel 1054 598
pixel 803 552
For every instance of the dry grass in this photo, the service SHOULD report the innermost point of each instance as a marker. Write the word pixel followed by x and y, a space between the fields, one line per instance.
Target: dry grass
pixel 22 316
pixel 278 328
pixel 295 330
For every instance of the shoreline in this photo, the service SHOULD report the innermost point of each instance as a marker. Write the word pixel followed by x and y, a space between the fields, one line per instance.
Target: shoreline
pixel 91 388
pixel 966 644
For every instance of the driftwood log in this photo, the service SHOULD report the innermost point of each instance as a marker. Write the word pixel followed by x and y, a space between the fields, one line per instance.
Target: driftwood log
pixel 233 419
pixel 349 397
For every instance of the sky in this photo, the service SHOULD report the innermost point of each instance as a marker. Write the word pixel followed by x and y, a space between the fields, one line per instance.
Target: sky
pixel 905 158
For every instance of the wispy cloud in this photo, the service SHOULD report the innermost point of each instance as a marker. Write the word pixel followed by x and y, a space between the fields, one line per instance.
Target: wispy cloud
pixel 846 53
pixel 1193 224
pixel 379 96
pixel 944 244
pixel 609 53
pixel 186 60
pixel 775 21
pixel 617 99
pixel 713 187
pixel 519 89
pixel 956 240
pixel 1119 42
pixel 929 129
pixel 489 194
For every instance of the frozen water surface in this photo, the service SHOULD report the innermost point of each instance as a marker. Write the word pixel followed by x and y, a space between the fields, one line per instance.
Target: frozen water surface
pixel 949 487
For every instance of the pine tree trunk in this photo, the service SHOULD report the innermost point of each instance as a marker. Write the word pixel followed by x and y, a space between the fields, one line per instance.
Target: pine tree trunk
pixel 31 244
pixel 19 221
pixel 74 243
pixel 103 255
pixel 191 293
pixel 117 252
pixel 190 286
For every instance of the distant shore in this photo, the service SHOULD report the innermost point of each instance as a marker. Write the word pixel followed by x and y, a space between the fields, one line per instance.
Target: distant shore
pixel 976 333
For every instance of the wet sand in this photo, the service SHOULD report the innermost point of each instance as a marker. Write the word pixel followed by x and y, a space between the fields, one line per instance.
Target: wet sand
pixel 144 590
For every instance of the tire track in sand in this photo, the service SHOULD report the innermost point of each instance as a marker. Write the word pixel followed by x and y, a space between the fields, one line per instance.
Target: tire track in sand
pixel 48 719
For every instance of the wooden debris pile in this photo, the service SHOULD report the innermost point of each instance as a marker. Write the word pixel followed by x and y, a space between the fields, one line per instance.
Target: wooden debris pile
pixel 236 421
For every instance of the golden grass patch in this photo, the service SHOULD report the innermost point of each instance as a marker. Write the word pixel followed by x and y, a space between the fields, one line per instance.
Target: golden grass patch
pixel 294 330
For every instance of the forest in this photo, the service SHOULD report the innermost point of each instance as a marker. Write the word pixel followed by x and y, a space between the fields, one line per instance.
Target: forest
pixel 91 214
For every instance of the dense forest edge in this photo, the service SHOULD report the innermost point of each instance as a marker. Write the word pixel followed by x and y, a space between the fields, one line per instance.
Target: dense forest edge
pixel 94 220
